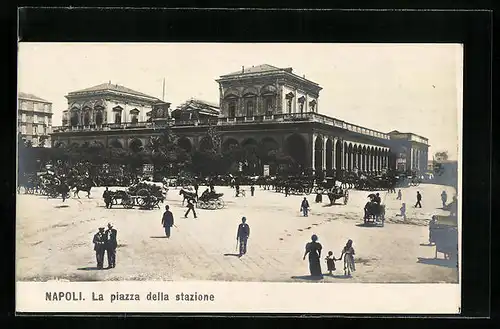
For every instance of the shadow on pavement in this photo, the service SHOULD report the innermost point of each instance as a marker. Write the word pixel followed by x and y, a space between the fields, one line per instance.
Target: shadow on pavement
pixel 439 262
pixel 234 255
pixel 91 268
pixel 307 277
pixel 369 225
pixel 158 237
pixel 427 245
pixel 62 206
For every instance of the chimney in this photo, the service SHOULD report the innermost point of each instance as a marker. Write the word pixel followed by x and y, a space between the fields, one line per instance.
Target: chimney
pixel 242 69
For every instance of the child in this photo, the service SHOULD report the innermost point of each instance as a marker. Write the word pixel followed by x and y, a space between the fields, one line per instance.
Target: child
pixel 330 262
pixel 403 210
pixel 348 251
pixel 252 190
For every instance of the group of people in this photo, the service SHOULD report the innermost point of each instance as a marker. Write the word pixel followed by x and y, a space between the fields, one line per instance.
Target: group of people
pixel 313 249
pixel 105 242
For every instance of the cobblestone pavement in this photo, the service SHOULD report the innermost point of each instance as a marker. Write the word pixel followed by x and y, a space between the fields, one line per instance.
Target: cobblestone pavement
pixel 54 239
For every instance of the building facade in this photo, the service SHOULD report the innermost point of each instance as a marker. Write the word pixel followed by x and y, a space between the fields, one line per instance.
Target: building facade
pixel 195 110
pixel 266 108
pixel 34 119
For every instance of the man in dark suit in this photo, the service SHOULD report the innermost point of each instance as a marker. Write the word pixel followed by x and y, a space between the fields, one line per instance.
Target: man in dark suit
pixel 167 221
pixel 99 247
pixel 190 207
pixel 111 244
pixel 243 235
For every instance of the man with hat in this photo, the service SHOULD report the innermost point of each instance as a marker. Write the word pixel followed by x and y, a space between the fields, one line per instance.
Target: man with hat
pixel 99 247
pixel 167 221
pixel 242 235
pixel 111 244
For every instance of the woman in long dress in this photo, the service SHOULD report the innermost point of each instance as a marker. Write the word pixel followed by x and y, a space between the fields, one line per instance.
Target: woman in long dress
pixel 313 248
pixel 348 254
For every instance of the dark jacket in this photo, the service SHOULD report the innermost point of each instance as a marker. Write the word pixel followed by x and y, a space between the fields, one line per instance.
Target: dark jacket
pixel 111 241
pixel 168 219
pixel 99 241
pixel 106 195
pixel 304 204
pixel 419 196
pixel 243 231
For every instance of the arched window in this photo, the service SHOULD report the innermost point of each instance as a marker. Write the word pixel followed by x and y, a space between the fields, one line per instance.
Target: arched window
pixel 86 119
pixel 98 118
pixel 232 109
pixel 269 105
pixel 74 118
pixel 250 108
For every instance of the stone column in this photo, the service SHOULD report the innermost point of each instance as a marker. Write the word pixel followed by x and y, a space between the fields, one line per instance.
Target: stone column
pixel 334 154
pixel 313 162
pixel 323 154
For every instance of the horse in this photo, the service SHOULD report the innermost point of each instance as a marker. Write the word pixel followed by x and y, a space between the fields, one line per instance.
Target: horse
pixel 82 184
pixel 375 211
pixel 187 195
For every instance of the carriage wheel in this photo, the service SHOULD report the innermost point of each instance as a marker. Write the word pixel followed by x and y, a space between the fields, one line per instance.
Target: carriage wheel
pixel 143 197
pixel 212 205
pixel 346 197
pixel 219 204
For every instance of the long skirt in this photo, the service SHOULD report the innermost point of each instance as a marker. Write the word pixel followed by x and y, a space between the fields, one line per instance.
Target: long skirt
pixel 315 266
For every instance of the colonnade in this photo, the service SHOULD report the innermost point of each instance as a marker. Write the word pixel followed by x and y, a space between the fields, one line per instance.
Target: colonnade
pixel 335 153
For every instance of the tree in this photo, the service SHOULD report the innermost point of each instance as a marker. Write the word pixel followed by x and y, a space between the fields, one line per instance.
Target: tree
pixel 443 155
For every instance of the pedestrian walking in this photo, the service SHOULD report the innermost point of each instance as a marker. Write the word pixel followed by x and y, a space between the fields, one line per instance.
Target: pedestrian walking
pixel 242 236
pixel 167 220
pixel 419 198
pixel 444 198
pixel 349 265
pixel 190 206
pixel 287 190
pixel 330 262
pixel 99 247
pixel 106 195
pixel 252 190
pixel 313 249
pixel 304 207
pixel 111 244
pixel 403 211
pixel 237 190
pixel 399 195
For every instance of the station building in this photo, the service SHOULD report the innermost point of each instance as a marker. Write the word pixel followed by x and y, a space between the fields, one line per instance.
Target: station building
pixel 262 107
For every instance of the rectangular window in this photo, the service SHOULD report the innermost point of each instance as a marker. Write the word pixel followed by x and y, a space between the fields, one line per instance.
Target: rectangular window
pixel 118 117
pixel 35 118
pixel 23 117
pixel 23 130
pixel 232 109
pixel 289 105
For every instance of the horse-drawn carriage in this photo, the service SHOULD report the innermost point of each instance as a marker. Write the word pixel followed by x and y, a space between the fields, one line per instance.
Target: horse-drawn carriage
pixel 211 200
pixel 374 211
pixel 142 195
pixel 336 193
pixel 443 232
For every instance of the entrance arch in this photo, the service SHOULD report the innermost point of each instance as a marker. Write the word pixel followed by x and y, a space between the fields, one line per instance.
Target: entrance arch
pixel 338 157
pixel 115 143
pixel 135 145
pixel 229 143
pixel 205 144
pixel 329 154
pixel 318 154
pixel 185 144
pixel 295 146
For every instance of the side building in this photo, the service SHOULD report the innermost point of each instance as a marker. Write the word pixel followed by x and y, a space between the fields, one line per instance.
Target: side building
pixel 267 108
pixel 34 119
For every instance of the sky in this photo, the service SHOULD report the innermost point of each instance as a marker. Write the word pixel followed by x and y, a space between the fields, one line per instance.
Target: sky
pixel 406 87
